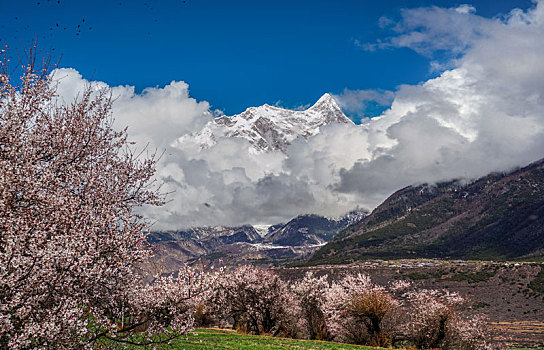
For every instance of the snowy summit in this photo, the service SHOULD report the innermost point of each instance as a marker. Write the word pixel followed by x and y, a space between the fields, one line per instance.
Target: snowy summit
pixel 270 128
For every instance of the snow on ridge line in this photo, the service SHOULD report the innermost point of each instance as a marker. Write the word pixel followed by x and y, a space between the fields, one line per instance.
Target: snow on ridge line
pixel 269 128
pixel 263 246
pixel 262 230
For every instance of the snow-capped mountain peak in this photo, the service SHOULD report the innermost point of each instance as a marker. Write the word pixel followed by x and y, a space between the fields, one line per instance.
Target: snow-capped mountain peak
pixel 326 101
pixel 270 128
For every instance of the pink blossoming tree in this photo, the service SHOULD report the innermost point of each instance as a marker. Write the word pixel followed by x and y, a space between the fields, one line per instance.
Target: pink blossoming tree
pixel 434 322
pixel 359 311
pixel 256 300
pixel 311 292
pixel 69 237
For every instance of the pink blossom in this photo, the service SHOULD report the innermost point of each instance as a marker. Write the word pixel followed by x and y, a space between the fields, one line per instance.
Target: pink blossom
pixel 70 240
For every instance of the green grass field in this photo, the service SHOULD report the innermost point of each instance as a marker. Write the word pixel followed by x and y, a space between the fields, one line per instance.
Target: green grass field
pixel 209 339
pixel 204 339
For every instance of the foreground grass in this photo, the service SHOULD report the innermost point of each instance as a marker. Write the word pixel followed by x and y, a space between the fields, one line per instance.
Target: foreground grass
pixel 204 339
pixel 212 338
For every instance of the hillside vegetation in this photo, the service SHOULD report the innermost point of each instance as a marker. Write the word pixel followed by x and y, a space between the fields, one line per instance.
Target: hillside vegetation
pixel 498 217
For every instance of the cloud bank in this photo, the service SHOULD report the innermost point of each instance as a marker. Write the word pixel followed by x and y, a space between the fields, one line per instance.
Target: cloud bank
pixel 484 114
pixel 431 29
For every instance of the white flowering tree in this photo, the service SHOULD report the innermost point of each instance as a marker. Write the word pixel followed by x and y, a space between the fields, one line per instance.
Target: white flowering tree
pixel 435 323
pixel 257 300
pixel 311 292
pixel 69 237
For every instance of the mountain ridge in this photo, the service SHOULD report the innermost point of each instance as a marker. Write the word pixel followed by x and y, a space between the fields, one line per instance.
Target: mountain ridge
pixel 497 217
pixel 283 243
pixel 269 128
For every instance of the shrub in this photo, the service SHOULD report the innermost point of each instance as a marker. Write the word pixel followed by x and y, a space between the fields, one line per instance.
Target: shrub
pixel 360 312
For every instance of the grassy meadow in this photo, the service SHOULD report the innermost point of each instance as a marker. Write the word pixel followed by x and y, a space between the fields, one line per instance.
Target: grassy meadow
pixel 213 338
pixel 208 339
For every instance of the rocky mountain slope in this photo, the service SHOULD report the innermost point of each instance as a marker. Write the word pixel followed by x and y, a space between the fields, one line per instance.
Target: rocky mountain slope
pixel 280 243
pixel 498 217
pixel 269 128
pixel 210 237
pixel 311 230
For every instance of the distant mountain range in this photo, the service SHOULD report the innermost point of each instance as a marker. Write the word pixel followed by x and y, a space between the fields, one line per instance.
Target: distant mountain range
pixel 280 243
pixel 269 128
pixel 311 230
pixel 498 217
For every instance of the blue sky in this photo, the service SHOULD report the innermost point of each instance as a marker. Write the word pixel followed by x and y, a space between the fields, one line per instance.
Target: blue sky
pixel 457 89
pixel 233 54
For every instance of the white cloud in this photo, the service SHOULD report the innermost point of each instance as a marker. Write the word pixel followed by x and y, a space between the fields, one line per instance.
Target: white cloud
pixel 485 113
pixel 426 30
pixel 156 116
pixel 465 9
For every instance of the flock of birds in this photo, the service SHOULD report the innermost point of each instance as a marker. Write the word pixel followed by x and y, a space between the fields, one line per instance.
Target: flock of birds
pixel 76 28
